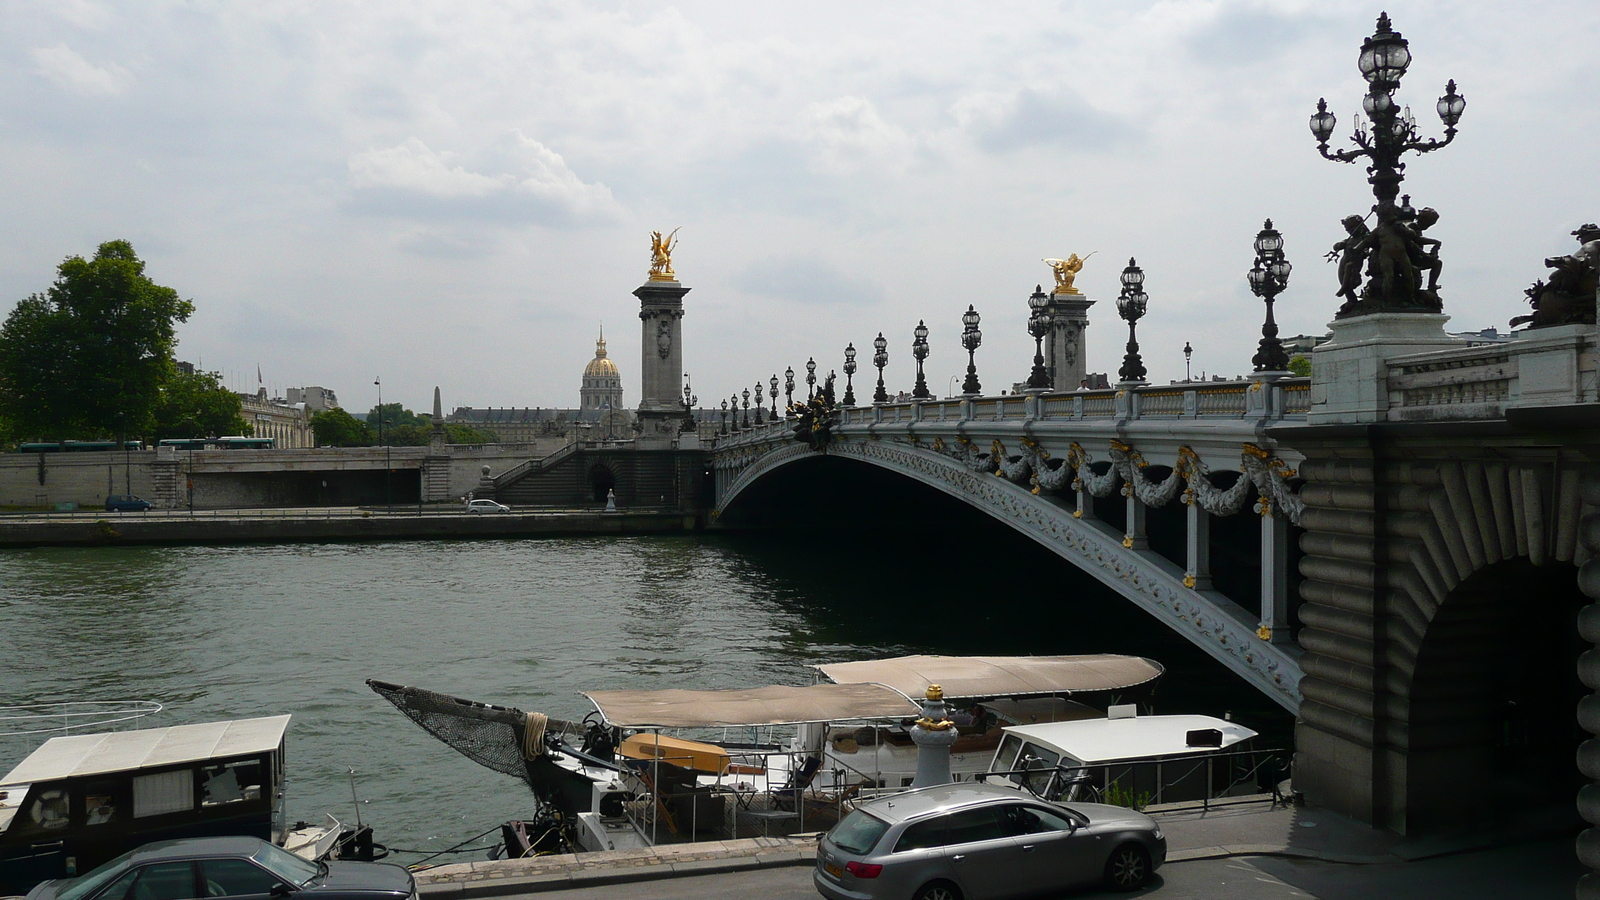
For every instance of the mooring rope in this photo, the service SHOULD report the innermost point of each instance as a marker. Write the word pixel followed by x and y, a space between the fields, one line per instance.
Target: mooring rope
pixel 533 735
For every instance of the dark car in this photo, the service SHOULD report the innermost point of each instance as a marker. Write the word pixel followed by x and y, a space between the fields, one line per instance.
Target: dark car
pixel 242 867
pixel 978 841
pixel 126 503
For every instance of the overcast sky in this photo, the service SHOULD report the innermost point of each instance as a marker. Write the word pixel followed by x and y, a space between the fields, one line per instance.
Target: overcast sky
pixel 458 194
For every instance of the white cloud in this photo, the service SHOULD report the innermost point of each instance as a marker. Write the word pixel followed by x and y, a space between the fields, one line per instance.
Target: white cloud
pixel 847 135
pixel 64 66
pixel 522 178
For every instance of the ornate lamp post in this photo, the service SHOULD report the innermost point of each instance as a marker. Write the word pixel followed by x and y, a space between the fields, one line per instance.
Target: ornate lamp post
pixel 811 378
pixel 1038 326
pixel 880 358
pixel 971 337
pixel 761 411
pixel 724 417
pixel 849 372
pixel 1130 306
pixel 773 384
pixel 919 349
pixel 747 407
pixel 1395 282
pixel 1268 277
pixel 788 391
pixel 734 428
pixel 1188 351
pixel 690 401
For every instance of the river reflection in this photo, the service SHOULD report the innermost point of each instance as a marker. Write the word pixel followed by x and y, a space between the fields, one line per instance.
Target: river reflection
pixel 229 632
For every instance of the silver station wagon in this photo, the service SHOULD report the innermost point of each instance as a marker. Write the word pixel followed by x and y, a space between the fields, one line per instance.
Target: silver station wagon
pixel 975 841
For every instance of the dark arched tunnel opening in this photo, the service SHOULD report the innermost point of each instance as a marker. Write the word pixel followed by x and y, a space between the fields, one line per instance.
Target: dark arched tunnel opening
pixel 891 561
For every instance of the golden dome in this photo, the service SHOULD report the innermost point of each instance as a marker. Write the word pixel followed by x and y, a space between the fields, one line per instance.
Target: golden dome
pixel 600 366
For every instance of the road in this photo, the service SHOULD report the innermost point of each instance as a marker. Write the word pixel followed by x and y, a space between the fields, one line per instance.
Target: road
pixel 1528 872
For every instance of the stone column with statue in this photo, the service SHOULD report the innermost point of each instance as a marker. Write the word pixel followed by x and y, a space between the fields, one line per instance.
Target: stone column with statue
pixel 934 734
pixel 1065 343
pixel 660 415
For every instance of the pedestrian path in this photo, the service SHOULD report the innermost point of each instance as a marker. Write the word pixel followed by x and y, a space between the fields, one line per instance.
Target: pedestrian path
pixel 1252 826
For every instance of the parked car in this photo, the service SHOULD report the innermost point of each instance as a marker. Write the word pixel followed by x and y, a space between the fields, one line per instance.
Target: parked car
pixel 486 506
pixel 229 867
pixel 126 503
pixel 975 841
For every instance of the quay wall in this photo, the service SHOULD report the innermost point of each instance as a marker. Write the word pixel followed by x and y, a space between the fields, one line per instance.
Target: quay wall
pixel 110 529
pixel 230 479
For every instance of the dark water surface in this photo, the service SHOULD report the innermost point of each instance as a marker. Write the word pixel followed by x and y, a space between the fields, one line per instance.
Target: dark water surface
pixel 231 632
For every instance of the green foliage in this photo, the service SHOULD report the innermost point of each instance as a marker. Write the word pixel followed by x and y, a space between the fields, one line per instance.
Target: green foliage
pixel 392 416
pixel 1300 365
pixel 1117 795
pixel 198 405
pixel 337 428
pixel 466 434
pixel 407 435
pixel 89 358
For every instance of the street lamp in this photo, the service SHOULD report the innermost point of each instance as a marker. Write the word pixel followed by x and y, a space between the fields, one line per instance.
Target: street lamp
pixel 1131 306
pixel 724 417
pixel 811 378
pixel 1038 326
pixel 388 467
pixel 761 411
pixel 880 358
pixel 788 391
pixel 747 407
pixel 735 401
pixel 971 337
pixel 919 350
pixel 1188 351
pixel 1394 282
pixel 849 371
pixel 1268 277
pixel 690 401
pixel 774 385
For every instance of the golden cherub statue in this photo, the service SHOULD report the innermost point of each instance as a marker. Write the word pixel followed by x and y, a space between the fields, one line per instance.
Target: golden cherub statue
pixel 661 256
pixel 1066 270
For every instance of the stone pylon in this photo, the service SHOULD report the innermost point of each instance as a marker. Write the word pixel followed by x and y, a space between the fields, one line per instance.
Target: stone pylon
pixel 661 364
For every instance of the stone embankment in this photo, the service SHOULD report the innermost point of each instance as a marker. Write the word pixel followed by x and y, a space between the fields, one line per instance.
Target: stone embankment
pixel 341 524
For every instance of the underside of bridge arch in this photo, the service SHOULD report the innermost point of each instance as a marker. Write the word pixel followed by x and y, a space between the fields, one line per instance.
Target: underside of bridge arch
pixel 944 564
pixel 1489 725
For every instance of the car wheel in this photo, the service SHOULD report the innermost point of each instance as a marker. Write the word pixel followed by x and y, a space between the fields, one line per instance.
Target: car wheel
pixel 937 890
pixel 1128 869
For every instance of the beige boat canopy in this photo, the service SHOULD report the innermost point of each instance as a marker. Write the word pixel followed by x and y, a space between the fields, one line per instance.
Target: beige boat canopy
pixel 121 751
pixel 984 677
pixel 774 705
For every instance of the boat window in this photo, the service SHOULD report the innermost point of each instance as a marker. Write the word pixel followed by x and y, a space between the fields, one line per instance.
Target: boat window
pixel 232 877
pixel 163 881
pixel 163 792
pixel 969 826
pixel 1035 757
pixel 101 803
pixel 231 782
pixel 47 811
pixel 1006 759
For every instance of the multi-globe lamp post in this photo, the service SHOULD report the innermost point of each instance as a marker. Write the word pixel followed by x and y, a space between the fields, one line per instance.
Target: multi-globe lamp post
pixel 1131 304
pixel 919 350
pixel 746 407
pixel 849 374
pixel 880 358
pixel 724 417
pixel 971 338
pixel 1268 277
pixel 811 379
pixel 761 408
pixel 1038 327
pixel 788 391
pixel 773 384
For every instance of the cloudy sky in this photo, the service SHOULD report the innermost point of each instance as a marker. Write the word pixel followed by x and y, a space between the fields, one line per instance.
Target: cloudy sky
pixel 458 194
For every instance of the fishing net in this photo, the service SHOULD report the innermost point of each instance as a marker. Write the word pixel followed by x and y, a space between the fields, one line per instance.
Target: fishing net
pixel 491 736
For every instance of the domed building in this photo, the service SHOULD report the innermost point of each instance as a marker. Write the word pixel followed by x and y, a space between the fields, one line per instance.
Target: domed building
pixel 602 383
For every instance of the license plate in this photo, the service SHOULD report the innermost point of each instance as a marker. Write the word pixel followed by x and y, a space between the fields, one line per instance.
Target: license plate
pixel 832 869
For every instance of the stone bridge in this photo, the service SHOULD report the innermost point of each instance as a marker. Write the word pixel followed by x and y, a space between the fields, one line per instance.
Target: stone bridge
pixel 1440 501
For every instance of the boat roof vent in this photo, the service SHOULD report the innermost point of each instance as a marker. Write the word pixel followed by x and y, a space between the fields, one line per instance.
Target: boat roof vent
pixel 1122 711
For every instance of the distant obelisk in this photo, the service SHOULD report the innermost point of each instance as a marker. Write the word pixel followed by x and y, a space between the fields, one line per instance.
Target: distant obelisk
pixel 661 348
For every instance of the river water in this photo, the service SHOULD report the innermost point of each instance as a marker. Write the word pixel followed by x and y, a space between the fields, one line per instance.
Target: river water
pixel 238 631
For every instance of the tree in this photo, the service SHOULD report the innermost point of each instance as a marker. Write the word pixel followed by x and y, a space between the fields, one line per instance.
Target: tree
pixel 197 405
pixel 88 358
pixel 1300 364
pixel 466 434
pixel 392 415
pixel 337 428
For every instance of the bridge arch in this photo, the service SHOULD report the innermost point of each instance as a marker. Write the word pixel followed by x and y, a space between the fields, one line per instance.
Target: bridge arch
pixel 1222 628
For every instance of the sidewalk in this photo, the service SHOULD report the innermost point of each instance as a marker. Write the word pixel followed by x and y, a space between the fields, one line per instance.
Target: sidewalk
pixel 1243 827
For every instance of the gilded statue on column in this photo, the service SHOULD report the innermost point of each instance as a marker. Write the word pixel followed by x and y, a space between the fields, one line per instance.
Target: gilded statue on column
pixel 1066 270
pixel 661 256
